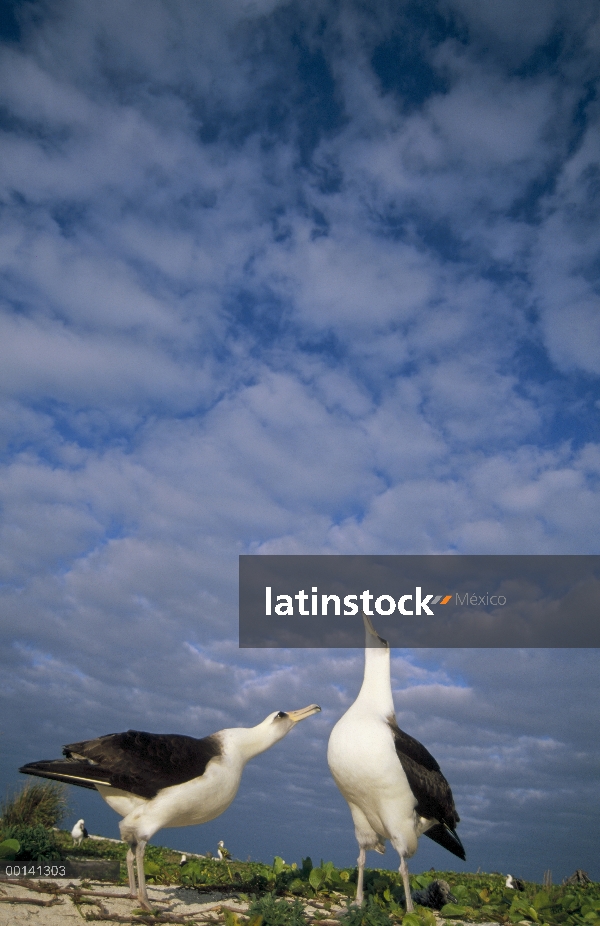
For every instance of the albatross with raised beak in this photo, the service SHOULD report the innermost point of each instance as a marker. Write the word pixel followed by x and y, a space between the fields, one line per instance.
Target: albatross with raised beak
pixel 156 780
pixel 393 785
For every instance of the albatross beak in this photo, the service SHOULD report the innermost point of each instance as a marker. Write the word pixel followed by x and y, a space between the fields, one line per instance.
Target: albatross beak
pixel 378 641
pixel 303 713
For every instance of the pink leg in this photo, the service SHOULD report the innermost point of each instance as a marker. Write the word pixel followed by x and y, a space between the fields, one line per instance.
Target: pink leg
pixel 142 892
pixel 406 882
pixel 131 873
pixel 362 855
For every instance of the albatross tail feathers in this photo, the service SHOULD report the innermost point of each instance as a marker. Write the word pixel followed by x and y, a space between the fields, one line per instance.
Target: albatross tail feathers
pixel 448 838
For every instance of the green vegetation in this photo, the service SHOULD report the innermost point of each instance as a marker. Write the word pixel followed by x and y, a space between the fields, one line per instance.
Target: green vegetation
pixel 27 818
pixel 278 889
pixel 36 804
pixel 35 843
pixel 272 911
pixel 278 893
pixel 9 849
pixel 92 848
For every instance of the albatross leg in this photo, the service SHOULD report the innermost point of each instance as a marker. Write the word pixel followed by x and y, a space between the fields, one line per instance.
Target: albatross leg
pixel 131 872
pixel 139 860
pixel 406 882
pixel 361 875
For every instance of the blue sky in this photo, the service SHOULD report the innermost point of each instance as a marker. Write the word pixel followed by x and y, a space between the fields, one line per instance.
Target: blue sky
pixel 283 277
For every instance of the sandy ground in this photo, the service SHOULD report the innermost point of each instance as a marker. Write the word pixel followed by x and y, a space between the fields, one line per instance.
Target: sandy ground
pixel 33 902
pixel 36 902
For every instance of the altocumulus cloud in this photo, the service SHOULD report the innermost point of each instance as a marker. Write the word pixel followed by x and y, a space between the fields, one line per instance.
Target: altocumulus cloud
pixel 297 278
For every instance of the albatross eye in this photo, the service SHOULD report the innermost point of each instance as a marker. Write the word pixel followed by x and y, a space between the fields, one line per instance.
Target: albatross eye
pixel 282 714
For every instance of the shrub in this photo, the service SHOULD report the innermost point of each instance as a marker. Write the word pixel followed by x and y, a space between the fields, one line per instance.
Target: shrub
pixel 370 914
pixel 277 912
pixel 37 844
pixel 42 803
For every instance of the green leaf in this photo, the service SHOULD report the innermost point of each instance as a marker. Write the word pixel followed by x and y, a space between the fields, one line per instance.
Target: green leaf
pixel 429 918
pixel 316 878
pixel 541 900
pixel 453 909
pixel 422 880
pixel 297 885
pixel 412 919
pixel 9 848
pixel 278 864
pixel 464 896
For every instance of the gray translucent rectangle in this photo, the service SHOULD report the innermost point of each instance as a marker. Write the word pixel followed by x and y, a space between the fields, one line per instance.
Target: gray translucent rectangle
pixel 466 601
pixel 96 869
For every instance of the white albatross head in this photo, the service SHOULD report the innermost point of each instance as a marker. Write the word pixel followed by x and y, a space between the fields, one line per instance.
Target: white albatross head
pixel 253 740
pixel 279 723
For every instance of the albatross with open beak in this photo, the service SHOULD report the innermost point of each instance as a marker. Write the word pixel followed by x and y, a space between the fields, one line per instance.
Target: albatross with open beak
pixel 156 780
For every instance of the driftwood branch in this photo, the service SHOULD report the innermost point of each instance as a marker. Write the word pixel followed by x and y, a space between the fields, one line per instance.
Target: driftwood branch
pixel 32 900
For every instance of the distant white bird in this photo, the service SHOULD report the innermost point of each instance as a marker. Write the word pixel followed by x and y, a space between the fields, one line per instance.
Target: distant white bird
pixel 393 785
pixel 183 860
pixel 156 780
pixel 224 853
pixel 79 832
pixel 514 884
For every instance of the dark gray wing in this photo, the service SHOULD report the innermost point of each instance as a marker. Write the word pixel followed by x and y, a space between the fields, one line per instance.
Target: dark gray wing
pixel 69 771
pixel 432 791
pixel 138 762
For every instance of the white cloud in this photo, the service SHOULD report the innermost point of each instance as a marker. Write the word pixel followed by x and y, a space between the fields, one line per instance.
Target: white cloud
pixel 214 342
pixel 566 259
pixel 489 123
